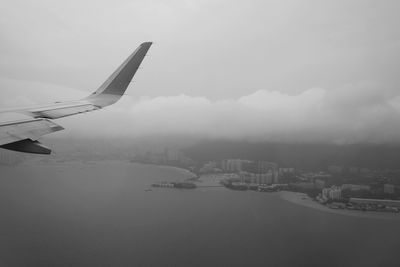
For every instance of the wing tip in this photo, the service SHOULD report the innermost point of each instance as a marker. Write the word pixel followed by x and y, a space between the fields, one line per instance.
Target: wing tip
pixel 146 44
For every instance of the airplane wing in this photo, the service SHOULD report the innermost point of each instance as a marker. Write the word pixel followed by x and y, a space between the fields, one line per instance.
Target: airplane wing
pixel 21 128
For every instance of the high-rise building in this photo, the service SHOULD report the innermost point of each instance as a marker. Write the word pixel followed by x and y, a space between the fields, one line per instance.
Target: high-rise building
pixel 263 172
pixel 233 165
pixel 332 193
pixel 172 155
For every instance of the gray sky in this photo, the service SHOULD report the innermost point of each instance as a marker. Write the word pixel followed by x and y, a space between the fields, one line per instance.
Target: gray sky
pixel 257 69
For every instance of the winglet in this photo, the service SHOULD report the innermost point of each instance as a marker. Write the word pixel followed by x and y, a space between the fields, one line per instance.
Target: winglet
pixel 114 87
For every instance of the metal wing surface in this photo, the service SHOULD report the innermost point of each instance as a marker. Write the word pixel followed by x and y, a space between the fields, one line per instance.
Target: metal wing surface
pixel 21 128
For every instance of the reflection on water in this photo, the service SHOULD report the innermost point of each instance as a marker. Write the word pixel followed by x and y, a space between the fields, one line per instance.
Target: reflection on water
pixel 87 214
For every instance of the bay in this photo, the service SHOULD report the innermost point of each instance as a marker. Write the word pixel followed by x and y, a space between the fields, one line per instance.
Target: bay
pixel 102 214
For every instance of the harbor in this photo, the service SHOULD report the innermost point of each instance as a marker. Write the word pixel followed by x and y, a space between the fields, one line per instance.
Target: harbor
pixel 178 185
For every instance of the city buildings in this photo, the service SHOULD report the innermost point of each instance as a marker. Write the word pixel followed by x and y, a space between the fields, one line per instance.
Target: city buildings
pixel 209 167
pixel 232 165
pixel 333 193
pixel 356 187
pixel 382 202
pixel 391 189
pixel 257 178
pixel 267 171
pixel 286 171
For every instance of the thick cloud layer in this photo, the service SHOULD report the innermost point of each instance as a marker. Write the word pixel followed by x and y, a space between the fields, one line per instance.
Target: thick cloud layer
pixel 214 48
pixel 355 113
pixel 271 70
pixel 362 112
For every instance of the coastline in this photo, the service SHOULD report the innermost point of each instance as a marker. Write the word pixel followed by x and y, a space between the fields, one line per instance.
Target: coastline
pixel 46 161
pixel 179 169
pixel 304 200
pixel 293 197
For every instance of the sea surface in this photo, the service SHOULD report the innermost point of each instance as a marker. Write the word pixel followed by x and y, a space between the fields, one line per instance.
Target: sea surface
pixel 100 214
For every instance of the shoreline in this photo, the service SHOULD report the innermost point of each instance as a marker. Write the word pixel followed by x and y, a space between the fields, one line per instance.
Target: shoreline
pixel 52 161
pixel 180 169
pixel 304 200
pixel 293 197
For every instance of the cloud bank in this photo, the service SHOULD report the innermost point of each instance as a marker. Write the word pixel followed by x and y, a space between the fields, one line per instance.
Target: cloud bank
pixel 362 112
pixel 326 70
pixel 354 113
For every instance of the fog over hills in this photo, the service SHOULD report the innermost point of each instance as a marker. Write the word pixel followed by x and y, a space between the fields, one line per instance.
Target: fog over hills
pixel 301 155
pixel 311 156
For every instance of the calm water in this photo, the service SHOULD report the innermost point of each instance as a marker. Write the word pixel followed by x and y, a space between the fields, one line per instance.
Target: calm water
pixel 99 214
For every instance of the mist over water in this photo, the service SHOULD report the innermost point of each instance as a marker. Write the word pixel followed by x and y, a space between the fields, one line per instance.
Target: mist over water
pixel 99 214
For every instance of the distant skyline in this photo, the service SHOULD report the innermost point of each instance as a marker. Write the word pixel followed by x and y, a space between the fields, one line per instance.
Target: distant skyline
pixel 273 70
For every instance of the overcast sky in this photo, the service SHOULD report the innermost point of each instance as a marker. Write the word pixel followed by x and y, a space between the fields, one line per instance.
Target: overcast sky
pixel 295 70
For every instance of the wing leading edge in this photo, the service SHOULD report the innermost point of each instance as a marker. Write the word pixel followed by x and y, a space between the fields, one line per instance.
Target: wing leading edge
pixel 21 135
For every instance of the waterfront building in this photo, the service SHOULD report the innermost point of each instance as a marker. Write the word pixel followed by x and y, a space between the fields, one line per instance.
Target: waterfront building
pixel 261 168
pixel 232 165
pixel 266 178
pixel 332 193
pixel 384 202
pixel 246 177
pixel 256 178
pixel 388 189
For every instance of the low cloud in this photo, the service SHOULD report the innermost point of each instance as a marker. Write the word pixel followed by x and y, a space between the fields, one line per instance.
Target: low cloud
pixel 361 112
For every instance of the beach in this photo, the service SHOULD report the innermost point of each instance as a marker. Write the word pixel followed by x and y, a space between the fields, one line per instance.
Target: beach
pixel 305 200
